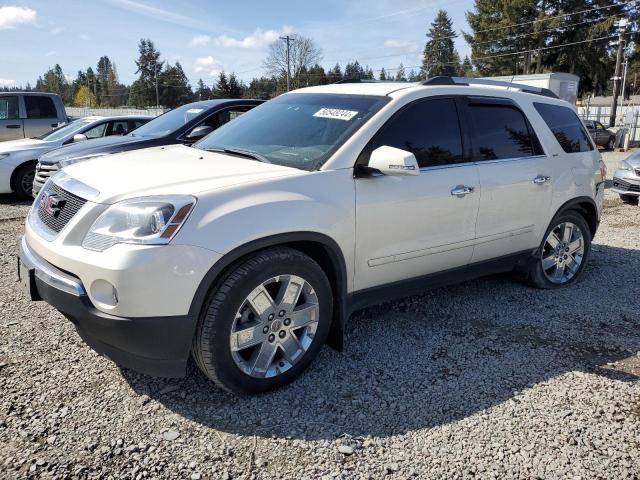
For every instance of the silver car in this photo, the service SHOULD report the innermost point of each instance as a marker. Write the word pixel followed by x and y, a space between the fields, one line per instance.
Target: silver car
pixel 18 157
pixel 626 179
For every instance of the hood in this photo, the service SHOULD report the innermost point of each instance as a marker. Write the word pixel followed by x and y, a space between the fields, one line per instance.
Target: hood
pixel 89 147
pixel 170 170
pixel 24 144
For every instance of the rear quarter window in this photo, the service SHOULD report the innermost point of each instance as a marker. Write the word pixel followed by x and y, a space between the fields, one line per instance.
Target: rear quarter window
pixel 566 127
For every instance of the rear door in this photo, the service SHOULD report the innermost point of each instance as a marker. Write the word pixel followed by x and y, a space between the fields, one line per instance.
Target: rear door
pixel 41 115
pixel 515 177
pixel 11 125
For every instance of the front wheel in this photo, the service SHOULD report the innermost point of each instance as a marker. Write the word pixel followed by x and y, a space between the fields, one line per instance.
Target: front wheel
pixel 563 255
pixel 265 322
pixel 23 181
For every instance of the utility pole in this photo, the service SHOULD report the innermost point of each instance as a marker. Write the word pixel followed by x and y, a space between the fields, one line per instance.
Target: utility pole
pixel 155 71
pixel 288 40
pixel 617 76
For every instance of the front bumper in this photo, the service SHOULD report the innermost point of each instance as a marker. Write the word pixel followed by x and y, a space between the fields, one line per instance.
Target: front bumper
pixel 625 184
pixel 156 346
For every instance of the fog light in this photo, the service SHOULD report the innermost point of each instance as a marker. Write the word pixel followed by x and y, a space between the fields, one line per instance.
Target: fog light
pixel 105 294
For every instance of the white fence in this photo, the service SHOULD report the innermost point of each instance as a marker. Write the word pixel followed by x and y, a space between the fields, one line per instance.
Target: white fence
pixel 108 112
pixel 627 116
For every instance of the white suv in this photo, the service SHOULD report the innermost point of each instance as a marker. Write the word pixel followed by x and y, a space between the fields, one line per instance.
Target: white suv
pixel 250 250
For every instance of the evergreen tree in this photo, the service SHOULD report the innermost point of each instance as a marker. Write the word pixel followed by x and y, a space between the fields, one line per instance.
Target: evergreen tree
pixel 414 76
pixel 335 74
pixel 203 92
pixel 400 74
pixel 353 71
pixel 466 69
pixel 440 56
pixel 221 90
pixel 236 88
pixel 174 86
pixel 263 88
pixel 148 65
pixel 383 74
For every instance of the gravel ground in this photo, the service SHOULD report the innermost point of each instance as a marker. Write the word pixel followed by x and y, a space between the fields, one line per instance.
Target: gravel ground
pixel 486 379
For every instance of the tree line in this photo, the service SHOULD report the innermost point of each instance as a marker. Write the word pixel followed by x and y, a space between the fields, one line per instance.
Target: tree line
pixel 505 38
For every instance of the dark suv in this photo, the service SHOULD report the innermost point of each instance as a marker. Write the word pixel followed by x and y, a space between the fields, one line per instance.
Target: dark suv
pixel 601 136
pixel 185 124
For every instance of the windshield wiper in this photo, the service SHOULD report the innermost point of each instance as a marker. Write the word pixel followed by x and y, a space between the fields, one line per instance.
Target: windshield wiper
pixel 241 152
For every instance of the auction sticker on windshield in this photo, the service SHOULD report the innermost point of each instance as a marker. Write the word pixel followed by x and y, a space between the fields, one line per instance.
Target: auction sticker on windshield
pixel 335 113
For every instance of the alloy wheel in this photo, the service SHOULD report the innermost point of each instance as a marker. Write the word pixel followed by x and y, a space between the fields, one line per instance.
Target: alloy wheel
pixel 274 326
pixel 562 253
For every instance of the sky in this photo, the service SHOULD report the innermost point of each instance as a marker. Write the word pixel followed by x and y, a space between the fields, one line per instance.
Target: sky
pixel 209 36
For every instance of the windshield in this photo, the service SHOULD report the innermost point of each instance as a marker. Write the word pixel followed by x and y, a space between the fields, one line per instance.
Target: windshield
pixel 168 122
pixel 299 130
pixel 66 130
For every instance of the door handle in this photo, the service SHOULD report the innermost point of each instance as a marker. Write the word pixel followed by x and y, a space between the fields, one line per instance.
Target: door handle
pixel 54 125
pixel 541 179
pixel 14 126
pixel 461 190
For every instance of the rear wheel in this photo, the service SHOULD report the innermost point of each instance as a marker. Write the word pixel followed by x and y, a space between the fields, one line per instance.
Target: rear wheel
pixel 611 143
pixel 23 181
pixel 563 255
pixel 265 322
pixel 629 199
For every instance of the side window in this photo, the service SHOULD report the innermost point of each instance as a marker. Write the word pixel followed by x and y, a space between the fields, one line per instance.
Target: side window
pixel 599 126
pixel 39 107
pixel 566 127
pixel 220 118
pixel 500 132
pixel 119 127
pixel 137 124
pixel 9 108
pixel 97 131
pixel 429 129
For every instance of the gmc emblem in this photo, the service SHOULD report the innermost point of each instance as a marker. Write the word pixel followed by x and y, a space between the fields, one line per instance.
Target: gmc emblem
pixel 52 204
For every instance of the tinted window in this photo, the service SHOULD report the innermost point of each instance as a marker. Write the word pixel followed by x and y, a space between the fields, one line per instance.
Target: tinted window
pixel 220 118
pixel 119 127
pixel 9 108
pixel 299 130
pixel 428 129
pixel 500 131
pixel 566 127
pixel 39 107
pixel 171 121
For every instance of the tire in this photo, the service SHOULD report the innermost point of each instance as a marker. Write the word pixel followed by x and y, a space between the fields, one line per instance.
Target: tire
pixel 629 199
pixel 547 276
pixel 611 144
pixel 22 182
pixel 227 310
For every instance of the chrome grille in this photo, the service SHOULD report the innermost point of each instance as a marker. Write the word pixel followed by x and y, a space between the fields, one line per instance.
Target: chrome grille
pixel 43 172
pixel 72 204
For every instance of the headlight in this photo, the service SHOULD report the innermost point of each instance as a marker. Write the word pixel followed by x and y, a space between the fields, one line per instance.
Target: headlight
pixel 142 221
pixel 624 165
pixel 71 161
pixel 3 155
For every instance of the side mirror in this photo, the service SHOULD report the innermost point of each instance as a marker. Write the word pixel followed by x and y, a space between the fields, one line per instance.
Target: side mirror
pixel 394 162
pixel 79 137
pixel 199 132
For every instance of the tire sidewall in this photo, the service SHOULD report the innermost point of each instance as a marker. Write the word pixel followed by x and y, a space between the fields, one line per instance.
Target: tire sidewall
pixel 21 172
pixel 225 367
pixel 538 277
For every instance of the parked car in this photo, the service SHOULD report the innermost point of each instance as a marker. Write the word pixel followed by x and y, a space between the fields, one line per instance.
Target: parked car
pixel 185 124
pixel 18 157
pixel 601 136
pixel 249 250
pixel 626 179
pixel 29 114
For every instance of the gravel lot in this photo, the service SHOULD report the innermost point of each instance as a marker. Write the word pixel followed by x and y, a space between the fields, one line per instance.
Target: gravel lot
pixel 486 379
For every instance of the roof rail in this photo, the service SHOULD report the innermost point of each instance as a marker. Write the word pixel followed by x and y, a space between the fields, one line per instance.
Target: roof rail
pixel 362 80
pixel 490 83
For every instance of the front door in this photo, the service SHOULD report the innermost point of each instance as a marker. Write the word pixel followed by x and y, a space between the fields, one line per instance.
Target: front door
pixel 42 116
pixel 515 175
pixel 411 226
pixel 11 126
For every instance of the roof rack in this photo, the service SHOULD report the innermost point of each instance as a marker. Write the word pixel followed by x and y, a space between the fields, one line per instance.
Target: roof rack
pixel 362 80
pixel 490 83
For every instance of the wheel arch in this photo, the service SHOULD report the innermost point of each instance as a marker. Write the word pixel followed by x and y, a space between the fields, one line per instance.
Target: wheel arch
pixel 586 207
pixel 323 249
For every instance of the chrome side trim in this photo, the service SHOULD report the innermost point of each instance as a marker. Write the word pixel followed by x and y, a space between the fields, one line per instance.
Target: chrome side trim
pixel 49 274
pixel 74 186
